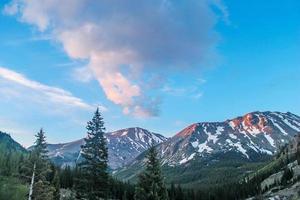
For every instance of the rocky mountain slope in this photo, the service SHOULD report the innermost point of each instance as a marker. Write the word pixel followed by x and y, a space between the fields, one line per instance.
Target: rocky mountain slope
pixel 251 138
pixel 280 178
pixel 123 146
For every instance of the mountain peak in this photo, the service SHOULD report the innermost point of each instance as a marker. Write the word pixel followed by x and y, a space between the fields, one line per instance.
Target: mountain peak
pixel 123 146
pixel 253 134
pixel 127 131
pixel 255 122
pixel 188 130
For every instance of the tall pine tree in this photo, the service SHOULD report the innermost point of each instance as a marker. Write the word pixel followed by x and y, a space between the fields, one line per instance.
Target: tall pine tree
pixel 38 167
pixel 95 158
pixel 151 182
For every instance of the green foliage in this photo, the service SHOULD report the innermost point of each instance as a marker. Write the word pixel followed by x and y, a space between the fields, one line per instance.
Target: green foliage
pixel 8 144
pixel 39 165
pixel 56 184
pixel 12 189
pixel 12 155
pixel 94 167
pixel 75 182
pixel 40 147
pixel 202 173
pixel 66 177
pixel 43 191
pixel 151 185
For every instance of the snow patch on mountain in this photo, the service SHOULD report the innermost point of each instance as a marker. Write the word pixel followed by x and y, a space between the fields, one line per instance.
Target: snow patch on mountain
pixel 251 135
pixel 123 146
pixel 270 140
pixel 184 160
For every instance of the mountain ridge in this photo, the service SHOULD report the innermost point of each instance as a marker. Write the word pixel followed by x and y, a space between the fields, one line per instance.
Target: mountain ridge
pixel 9 144
pixel 244 140
pixel 123 146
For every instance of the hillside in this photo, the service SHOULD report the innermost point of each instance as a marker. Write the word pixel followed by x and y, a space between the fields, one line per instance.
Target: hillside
pixel 7 144
pixel 209 152
pixel 11 155
pixel 280 178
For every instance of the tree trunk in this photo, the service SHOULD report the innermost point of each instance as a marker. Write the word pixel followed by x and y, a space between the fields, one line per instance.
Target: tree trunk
pixel 32 183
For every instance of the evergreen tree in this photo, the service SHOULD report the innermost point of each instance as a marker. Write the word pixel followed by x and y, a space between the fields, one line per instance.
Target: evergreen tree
pixel 43 191
pixel 67 177
pixel 95 157
pixel 56 184
pixel 39 167
pixel 151 182
pixel 80 183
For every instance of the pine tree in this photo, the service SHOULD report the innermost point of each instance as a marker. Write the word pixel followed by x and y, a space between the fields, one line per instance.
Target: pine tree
pixel 67 176
pixel 151 182
pixel 56 184
pixel 43 191
pixel 38 166
pixel 80 183
pixel 95 158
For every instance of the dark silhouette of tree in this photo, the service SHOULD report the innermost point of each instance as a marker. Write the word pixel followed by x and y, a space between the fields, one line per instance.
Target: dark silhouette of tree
pixel 151 182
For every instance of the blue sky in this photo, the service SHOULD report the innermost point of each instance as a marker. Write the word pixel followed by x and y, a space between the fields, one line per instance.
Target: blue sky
pixel 189 62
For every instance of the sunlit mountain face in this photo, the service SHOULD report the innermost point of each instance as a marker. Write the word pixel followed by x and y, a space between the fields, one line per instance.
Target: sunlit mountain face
pixel 211 147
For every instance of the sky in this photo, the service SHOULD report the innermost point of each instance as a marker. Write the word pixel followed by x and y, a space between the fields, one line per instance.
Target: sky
pixel 160 64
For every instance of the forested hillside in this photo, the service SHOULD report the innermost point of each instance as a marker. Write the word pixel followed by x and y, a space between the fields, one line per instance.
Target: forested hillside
pixel 12 155
pixel 280 178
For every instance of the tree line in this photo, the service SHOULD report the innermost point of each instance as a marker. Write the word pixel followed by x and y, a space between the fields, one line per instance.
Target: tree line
pixel 90 178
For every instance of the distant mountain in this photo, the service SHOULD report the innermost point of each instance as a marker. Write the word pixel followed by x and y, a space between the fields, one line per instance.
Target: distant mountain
pixel 250 136
pixel 7 144
pixel 123 146
pixel 197 149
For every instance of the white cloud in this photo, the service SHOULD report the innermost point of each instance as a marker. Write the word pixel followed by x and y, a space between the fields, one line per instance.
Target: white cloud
pixel 14 85
pixel 123 39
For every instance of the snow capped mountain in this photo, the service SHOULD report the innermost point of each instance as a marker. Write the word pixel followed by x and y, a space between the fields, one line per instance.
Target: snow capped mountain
pixel 251 135
pixel 123 146
pixel 207 152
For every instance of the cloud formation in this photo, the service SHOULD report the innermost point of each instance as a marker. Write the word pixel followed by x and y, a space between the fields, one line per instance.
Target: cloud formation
pixel 14 84
pixel 121 39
